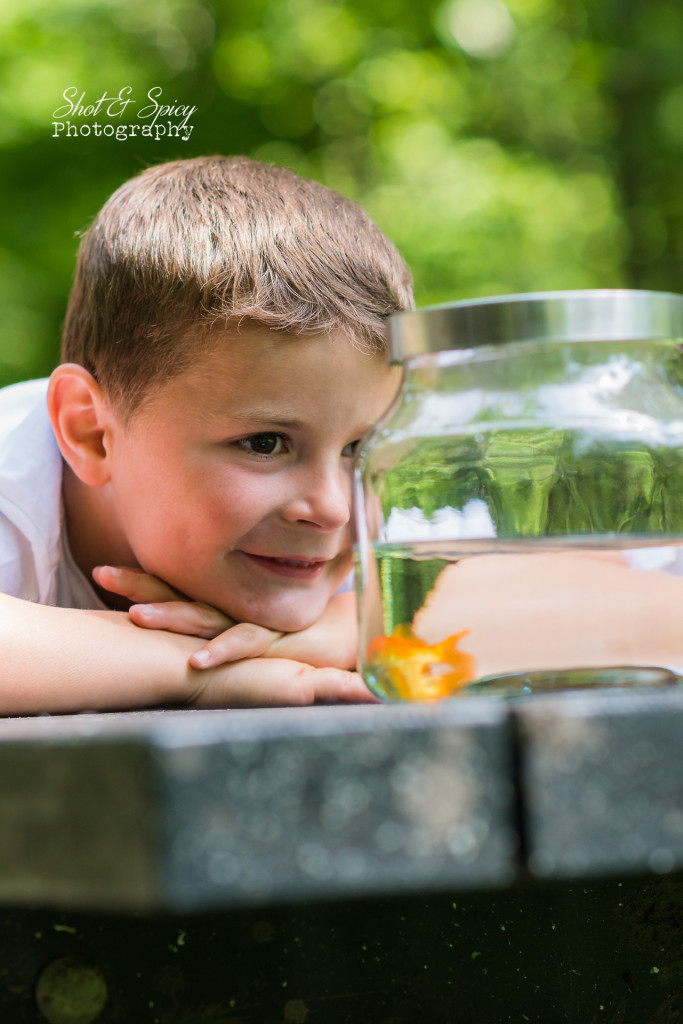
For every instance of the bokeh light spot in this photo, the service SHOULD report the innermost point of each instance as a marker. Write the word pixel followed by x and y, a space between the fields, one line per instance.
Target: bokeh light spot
pixel 482 28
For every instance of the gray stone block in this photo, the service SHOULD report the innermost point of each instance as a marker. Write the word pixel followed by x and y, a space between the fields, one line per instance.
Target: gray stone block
pixel 601 777
pixel 336 802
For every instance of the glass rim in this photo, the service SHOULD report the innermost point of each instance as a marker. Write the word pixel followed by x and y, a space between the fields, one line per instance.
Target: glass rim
pixel 588 315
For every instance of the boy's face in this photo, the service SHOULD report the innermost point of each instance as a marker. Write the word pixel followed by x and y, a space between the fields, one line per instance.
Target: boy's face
pixel 233 484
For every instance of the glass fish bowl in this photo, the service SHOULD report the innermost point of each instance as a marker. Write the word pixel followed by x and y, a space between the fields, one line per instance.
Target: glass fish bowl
pixel 519 508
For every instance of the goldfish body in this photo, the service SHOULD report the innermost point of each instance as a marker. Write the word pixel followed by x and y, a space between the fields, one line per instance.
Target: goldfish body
pixel 414 670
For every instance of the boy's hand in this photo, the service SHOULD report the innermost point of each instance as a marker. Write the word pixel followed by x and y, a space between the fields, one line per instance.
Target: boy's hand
pixel 276 682
pixel 158 606
pixel 331 641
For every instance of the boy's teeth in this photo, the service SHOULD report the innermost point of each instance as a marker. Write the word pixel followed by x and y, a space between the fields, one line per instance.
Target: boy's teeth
pixel 294 561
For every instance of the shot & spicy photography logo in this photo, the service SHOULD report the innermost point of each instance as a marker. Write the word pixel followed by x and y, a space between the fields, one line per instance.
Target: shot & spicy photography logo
pixel 154 118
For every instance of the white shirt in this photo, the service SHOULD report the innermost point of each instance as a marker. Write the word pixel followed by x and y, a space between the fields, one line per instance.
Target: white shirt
pixel 35 561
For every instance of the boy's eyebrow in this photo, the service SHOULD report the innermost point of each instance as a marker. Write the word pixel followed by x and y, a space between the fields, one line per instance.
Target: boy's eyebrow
pixel 265 414
pixel 277 421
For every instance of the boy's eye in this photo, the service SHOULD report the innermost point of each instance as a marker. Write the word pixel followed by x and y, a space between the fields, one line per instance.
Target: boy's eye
pixel 349 449
pixel 264 444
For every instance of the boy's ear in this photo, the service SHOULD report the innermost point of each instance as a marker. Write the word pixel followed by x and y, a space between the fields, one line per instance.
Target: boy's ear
pixel 80 420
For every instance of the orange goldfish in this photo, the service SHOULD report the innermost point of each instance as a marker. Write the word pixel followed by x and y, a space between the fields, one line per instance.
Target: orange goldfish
pixel 415 670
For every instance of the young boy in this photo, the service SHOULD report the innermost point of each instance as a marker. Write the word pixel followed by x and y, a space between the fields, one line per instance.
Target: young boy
pixel 221 359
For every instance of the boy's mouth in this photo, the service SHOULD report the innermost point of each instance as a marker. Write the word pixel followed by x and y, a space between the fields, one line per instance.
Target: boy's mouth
pixel 292 568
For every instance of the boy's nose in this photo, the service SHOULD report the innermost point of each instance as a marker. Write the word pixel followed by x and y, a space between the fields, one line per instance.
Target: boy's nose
pixel 323 498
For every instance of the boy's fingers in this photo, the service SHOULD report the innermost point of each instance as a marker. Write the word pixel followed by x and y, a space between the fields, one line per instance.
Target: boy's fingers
pixel 136 585
pixel 346 687
pixel 245 640
pixel 188 617
pixel 277 682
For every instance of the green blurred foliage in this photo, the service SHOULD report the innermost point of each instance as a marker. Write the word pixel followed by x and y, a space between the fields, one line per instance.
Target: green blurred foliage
pixel 503 147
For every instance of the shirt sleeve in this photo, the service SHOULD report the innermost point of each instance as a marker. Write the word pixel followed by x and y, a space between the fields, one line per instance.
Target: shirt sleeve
pixel 18 575
pixel 346 586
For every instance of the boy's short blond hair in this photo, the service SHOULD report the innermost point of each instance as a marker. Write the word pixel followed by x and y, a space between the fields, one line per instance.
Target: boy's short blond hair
pixel 222 242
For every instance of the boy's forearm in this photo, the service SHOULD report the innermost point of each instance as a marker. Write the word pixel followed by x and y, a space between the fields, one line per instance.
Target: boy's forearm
pixel 62 659
pixel 65 660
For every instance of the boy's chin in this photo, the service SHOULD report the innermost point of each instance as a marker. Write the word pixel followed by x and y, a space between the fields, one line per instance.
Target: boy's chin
pixel 289 622
pixel 281 620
